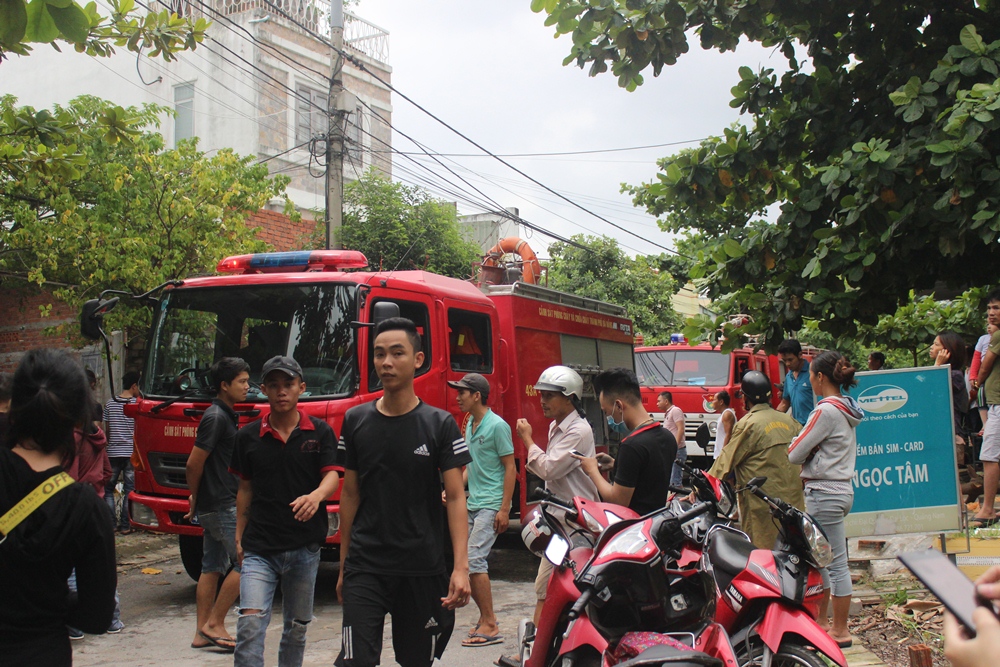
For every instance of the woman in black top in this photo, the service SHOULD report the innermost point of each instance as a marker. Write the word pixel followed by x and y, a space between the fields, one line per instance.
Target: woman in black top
pixel 949 348
pixel 70 529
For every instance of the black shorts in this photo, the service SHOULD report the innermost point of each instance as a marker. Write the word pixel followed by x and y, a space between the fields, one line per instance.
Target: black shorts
pixel 421 627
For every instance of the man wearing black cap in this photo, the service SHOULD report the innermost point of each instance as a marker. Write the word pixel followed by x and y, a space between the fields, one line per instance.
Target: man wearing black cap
pixel 490 477
pixel 285 463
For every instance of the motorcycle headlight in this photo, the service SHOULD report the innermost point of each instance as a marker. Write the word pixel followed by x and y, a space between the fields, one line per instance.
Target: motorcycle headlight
pixel 628 542
pixel 725 502
pixel 819 546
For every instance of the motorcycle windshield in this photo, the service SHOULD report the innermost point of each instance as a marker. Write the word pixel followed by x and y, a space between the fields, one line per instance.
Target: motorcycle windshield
pixel 195 327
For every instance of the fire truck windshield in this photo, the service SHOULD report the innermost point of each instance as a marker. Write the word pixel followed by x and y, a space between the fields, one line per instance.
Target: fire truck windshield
pixel 672 368
pixel 197 326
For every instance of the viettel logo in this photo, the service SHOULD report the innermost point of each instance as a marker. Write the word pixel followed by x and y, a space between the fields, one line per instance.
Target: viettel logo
pixel 883 398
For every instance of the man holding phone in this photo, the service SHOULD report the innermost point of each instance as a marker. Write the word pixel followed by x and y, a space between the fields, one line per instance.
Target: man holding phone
pixel 980 651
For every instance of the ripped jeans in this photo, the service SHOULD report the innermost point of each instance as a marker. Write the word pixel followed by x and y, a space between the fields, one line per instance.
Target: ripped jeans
pixel 261 575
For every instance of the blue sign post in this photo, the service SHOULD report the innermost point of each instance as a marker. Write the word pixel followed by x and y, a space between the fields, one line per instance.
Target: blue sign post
pixel 906 477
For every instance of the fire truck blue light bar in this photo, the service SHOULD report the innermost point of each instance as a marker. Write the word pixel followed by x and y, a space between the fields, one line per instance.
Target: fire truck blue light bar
pixel 298 260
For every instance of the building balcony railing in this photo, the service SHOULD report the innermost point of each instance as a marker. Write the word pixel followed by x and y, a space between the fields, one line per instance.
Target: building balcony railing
pixel 359 34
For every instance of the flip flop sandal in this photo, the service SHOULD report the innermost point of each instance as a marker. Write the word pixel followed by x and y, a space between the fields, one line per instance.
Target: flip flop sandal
pixel 487 640
pixel 474 630
pixel 847 643
pixel 224 643
pixel 983 523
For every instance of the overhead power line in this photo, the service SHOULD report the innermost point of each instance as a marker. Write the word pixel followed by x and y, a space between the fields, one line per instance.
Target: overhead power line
pixel 590 152
pixel 364 68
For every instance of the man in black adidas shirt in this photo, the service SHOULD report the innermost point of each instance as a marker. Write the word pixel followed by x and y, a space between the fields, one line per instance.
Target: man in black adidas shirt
pixel 396 452
pixel 641 473
pixel 286 464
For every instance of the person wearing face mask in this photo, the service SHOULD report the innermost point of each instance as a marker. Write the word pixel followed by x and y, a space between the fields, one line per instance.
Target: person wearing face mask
pixel 641 474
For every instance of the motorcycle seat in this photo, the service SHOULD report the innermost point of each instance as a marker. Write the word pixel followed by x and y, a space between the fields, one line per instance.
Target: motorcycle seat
pixel 674 657
pixel 729 552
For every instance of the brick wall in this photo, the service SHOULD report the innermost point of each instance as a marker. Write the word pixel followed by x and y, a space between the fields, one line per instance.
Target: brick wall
pixel 22 327
pixel 281 232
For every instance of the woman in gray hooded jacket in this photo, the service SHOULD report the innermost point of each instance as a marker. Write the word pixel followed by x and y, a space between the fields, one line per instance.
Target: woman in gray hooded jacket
pixel 826 448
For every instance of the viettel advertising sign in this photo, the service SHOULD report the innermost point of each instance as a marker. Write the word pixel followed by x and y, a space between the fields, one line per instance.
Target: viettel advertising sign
pixel 905 479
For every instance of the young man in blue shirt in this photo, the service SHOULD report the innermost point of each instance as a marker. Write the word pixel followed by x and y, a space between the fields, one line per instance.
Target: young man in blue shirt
pixel 797 392
pixel 490 477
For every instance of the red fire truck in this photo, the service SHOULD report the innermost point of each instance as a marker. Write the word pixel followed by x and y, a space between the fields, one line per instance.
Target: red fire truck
pixel 304 305
pixel 693 374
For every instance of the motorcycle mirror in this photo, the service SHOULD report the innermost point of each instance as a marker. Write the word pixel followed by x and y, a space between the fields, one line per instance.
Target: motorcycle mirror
pixel 92 317
pixel 557 549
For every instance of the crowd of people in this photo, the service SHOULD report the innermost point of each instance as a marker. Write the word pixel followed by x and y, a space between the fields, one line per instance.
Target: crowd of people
pixel 259 492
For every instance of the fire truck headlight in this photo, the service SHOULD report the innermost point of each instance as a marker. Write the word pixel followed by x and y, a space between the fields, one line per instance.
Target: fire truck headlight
pixel 713 428
pixel 333 524
pixel 143 514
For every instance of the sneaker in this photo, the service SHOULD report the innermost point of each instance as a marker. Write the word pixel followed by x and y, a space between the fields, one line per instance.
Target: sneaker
pixel 116 627
pixel 74 633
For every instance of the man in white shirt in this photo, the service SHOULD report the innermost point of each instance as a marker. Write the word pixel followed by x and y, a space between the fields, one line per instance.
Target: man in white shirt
pixel 673 421
pixel 560 390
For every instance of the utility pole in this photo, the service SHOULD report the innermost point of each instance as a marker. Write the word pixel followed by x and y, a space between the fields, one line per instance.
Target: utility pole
pixel 335 132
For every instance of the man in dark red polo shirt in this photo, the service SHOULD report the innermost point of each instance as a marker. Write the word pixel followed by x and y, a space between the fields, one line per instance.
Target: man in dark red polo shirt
pixel 285 462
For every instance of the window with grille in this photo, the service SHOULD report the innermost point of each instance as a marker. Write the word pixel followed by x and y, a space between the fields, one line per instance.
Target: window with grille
pixel 310 114
pixel 184 108
pixel 354 137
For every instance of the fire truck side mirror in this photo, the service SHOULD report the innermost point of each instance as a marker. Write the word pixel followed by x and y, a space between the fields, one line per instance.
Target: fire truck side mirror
pixel 384 310
pixel 92 317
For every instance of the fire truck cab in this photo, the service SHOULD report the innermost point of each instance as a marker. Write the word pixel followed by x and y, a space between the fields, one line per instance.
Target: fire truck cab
pixel 694 374
pixel 305 305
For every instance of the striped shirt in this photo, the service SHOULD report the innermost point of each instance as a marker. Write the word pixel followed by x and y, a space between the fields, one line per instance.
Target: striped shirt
pixel 120 429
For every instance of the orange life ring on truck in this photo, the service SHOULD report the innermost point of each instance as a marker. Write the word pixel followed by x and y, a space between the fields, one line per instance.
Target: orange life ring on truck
pixel 531 268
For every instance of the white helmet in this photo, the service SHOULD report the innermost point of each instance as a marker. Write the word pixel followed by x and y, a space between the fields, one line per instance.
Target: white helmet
pixel 562 379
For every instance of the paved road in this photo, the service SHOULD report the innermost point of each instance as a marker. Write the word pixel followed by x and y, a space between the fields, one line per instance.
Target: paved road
pixel 159 612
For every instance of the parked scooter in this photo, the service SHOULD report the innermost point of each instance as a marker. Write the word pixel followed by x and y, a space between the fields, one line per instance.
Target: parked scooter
pixel 769 600
pixel 632 603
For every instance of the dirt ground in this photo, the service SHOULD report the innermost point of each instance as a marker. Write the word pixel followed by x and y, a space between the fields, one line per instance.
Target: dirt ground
pixel 880 629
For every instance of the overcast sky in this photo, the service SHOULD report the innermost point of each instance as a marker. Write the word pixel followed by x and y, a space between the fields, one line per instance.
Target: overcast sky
pixel 494 72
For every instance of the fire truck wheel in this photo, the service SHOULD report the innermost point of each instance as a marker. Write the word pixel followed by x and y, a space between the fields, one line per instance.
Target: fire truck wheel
pixel 191 555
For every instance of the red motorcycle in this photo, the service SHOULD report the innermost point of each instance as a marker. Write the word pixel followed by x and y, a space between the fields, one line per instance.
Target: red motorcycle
pixel 768 601
pixel 564 543
pixel 641 599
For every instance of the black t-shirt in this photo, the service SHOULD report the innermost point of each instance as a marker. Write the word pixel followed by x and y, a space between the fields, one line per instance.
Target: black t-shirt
pixel 280 472
pixel 72 529
pixel 400 523
pixel 217 436
pixel 644 461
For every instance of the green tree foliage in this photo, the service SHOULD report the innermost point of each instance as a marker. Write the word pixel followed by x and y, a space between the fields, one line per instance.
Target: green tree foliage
pixel 880 151
pixel 605 272
pixel 401 227
pixel 158 34
pixel 126 214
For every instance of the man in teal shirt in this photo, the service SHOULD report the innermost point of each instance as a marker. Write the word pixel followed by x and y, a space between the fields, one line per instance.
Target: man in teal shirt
pixel 797 391
pixel 490 477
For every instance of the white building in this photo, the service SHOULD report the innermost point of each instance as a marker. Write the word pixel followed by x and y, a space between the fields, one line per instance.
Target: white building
pixel 258 84
pixel 485 229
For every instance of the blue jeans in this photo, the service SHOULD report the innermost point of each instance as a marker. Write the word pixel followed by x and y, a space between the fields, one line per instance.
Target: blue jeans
pixel 481 539
pixel 121 466
pixel 117 618
pixel 677 473
pixel 829 511
pixel 218 551
pixel 261 574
